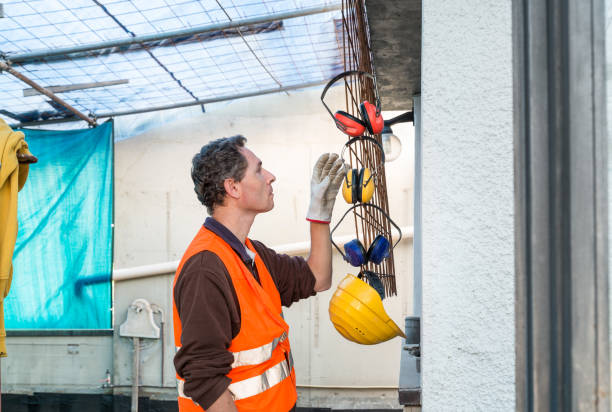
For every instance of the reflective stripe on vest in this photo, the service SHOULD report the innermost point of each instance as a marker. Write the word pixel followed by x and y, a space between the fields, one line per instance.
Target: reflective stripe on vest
pixel 258 355
pixel 257 384
pixel 180 386
pixel 254 385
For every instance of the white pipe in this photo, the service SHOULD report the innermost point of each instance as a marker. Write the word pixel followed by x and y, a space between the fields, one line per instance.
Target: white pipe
pixel 145 271
pixel 343 387
pixel 298 248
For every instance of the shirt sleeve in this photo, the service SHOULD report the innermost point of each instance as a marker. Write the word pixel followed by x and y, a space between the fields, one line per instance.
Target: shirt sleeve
pixel 291 274
pixel 210 319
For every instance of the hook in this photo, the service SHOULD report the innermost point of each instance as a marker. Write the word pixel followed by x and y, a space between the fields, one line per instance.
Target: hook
pixel 26 158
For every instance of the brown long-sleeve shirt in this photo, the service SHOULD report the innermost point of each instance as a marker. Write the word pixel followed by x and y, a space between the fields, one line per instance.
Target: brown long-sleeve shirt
pixel 210 312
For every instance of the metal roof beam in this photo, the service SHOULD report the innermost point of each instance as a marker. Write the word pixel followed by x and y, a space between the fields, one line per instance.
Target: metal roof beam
pixel 213 100
pixel 72 87
pixel 63 51
pixel 42 90
pixel 179 105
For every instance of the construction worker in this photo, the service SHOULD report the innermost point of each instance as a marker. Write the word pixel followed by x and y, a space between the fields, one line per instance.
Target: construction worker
pixel 233 350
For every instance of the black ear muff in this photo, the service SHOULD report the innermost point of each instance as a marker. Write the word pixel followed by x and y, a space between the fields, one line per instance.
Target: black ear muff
pixel 356 189
pixel 374 281
pixel 349 124
pixel 360 185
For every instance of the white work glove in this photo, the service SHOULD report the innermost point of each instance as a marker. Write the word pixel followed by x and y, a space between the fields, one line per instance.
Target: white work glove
pixel 327 177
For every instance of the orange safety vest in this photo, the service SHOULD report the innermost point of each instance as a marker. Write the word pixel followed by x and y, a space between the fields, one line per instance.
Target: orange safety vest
pixel 262 374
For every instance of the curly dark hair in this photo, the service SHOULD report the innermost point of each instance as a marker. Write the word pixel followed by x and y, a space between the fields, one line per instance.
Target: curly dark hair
pixel 218 160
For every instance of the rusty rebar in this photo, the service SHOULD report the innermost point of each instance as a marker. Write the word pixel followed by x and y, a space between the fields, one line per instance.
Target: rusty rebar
pixel 357 55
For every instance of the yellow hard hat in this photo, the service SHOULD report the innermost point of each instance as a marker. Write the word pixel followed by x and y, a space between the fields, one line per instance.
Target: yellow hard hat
pixel 357 312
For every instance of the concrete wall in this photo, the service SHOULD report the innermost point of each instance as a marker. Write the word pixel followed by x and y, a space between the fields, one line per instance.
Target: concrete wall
pixel 156 216
pixel 609 129
pixel 156 290
pixel 468 240
pixel 65 364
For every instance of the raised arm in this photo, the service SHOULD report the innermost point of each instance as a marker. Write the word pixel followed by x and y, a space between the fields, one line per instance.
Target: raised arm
pixel 326 179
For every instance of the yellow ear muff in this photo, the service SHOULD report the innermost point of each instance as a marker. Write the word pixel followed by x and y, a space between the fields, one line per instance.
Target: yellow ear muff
pixel 349 186
pixel 366 185
pixel 358 186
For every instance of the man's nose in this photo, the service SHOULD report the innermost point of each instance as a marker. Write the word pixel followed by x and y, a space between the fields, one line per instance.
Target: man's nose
pixel 271 177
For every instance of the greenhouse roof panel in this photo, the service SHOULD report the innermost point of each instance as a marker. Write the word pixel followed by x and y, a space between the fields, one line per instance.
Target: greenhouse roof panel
pixel 226 48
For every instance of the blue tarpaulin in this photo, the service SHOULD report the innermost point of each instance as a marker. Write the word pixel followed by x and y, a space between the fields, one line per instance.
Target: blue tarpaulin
pixel 65 239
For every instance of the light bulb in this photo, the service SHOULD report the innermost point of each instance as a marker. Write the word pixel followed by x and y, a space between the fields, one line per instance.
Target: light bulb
pixel 392 146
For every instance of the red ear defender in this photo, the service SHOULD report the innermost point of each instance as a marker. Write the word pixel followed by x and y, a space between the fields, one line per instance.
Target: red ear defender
pixel 370 113
pixel 349 124
pixel 372 117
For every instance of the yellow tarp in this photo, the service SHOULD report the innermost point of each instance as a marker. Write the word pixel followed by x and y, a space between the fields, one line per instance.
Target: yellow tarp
pixel 13 176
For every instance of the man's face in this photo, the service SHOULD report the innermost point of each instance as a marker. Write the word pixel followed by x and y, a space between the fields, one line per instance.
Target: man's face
pixel 256 185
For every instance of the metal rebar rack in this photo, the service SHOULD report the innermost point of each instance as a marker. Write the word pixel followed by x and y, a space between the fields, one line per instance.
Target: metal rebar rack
pixel 356 53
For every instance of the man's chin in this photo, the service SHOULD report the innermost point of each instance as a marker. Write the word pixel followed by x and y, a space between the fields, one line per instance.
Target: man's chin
pixel 267 209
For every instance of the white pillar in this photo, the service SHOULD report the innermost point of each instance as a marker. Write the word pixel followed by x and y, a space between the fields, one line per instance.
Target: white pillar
pixel 467 204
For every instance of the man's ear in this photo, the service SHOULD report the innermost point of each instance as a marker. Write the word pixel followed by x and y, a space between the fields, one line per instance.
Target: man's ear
pixel 232 188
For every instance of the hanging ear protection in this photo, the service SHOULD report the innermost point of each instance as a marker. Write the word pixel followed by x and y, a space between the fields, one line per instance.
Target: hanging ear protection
pixel 358 185
pixel 374 281
pixel 371 118
pixel 354 251
pixel 349 124
pixel 378 250
pixel 356 254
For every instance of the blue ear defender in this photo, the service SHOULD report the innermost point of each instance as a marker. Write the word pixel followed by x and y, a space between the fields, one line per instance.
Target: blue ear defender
pixel 378 250
pixel 354 251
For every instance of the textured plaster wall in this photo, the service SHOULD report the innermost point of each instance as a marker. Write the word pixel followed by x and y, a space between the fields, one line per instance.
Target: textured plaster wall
pixel 468 240
pixel 609 129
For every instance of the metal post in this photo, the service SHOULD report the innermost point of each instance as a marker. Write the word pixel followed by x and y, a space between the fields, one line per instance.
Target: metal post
pixel 562 359
pixel 135 374
pixel 9 69
pixel 417 284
